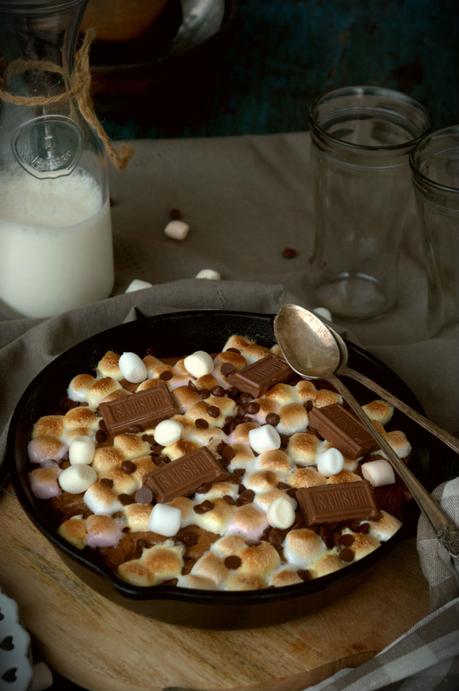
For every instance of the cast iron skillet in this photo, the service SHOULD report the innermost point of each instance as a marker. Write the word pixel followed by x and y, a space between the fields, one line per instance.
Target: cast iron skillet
pixel 178 334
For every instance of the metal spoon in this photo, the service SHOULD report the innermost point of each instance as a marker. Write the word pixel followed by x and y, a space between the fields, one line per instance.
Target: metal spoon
pixel 311 350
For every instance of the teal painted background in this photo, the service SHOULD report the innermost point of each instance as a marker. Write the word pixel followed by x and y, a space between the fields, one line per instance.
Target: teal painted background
pixel 278 55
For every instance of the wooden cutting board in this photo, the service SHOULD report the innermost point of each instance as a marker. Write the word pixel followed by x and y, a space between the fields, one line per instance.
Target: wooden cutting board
pixel 104 647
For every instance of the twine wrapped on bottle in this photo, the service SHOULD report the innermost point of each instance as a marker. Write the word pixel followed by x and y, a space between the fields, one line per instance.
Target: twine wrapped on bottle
pixel 79 88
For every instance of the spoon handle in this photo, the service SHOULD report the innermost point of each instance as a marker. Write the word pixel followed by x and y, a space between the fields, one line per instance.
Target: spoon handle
pixel 430 426
pixel 446 531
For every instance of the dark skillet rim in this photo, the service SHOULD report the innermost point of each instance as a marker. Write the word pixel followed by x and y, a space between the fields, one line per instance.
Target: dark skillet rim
pixel 94 563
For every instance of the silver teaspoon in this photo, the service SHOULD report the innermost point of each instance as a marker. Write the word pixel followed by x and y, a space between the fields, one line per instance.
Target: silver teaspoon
pixel 311 350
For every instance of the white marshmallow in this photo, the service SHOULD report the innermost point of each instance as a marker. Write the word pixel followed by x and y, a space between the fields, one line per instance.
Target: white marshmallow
pixel 137 284
pixel 264 438
pixel 177 230
pixel 210 274
pixel 132 368
pixel 77 478
pixel 167 432
pixel 378 473
pixel 281 513
pixel 81 450
pixel 165 520
pixel 330 462
pixel 323 312
pixel 198 364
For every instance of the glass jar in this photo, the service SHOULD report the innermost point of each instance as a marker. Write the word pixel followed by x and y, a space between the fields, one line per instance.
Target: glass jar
pixel 55 229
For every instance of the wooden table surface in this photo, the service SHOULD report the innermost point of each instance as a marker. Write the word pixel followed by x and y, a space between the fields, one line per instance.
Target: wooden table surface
pixel 104 647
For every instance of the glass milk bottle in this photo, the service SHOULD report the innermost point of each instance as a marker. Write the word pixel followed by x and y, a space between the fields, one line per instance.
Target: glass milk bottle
pixel 55 231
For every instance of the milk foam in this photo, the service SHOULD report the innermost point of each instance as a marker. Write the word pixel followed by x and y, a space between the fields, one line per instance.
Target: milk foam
pixel 55 243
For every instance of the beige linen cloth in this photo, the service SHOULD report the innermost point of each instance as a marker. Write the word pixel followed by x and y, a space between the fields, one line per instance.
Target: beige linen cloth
pixel 246 198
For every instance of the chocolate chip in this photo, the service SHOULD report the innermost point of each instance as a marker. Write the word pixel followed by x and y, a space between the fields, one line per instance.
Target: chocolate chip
pixel 192 386
pixel 226 452
pixel 101 436
pixel 362 528
pixel 175 215
pixel 188 539
pixel 292 492
pixel 233 350
pixel 347 555
pixel 229 500
pixel 227 368
pixel 204 507
pixel 346 540
pixel 103 426
pixel 232 562
pixel 276 536
pixel 213 411
pixel 107 482
pixel 283 485
pixel 252 408
pixel 148 438
pixel 233 392
pixel 67 403
pixel 229 427
pixel 200 423
pixel 239 472
pixel 204 393
pixel 166 375
pixel 289 253
pixel 304 574
pixel 188 565
pixel 309 406
pixel 272 419
pixel 135 429
pixel 245 397
pixel 245 497
pixel 218 391
pixel 126 499
pixel 204 488
pixel 144 495
pixel 128 467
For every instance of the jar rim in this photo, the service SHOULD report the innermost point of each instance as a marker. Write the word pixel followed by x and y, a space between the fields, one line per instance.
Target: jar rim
pixel 418 175
pixel 366 90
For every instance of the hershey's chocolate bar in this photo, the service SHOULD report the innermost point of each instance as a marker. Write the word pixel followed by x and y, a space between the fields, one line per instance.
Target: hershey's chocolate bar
pixel 183 476
pixel 145 408
pixel 259 376
pixel 339 427
pixel 347 501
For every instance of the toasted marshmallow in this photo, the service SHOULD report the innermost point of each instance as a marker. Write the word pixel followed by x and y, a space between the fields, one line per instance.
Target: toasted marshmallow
pixel 399 443
pixel 281 394
pixel 49 426
pixel 100 390
pixel 275 460
pixel 379 410
pixel 261 481
pixel 363 545
pixel 43 482
pixel 243 458
pixel 228 545
pixel 343 476
pixel 302 448
pixel 167 432
pixel 306 477
pixel 123 483
pixel 284 576
pixel 80 417
pixel 177 229
pixel 43 449
pixel 325 565
pixel 74 531
pixel 217 491
pixel 107 458
pixel 79 387
pixel 383 529
pixel 157 564
pixel 259 560
pixel 131 446
pixel 77 478
pixel 210 274
pixel 198 363
pixel 302 547
pixel 186 397
pixel 132 368
pixel 100 499
pixel 165 520
pixel 242 581
pixel 249 522
pixel 293 418
pixel 240 434
pixel 179 449
pixel 81 450
pixel 102 531
pixel 265 499
pixel 305 391
pixel 196 582
pixel 231 358
pixel 109 366
pixel 212 567
pixel 137 517
pixel 378 472
pixel 216 520
pixel 281 514
pixel 265 438
pixel 325 397
pixel 330 462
